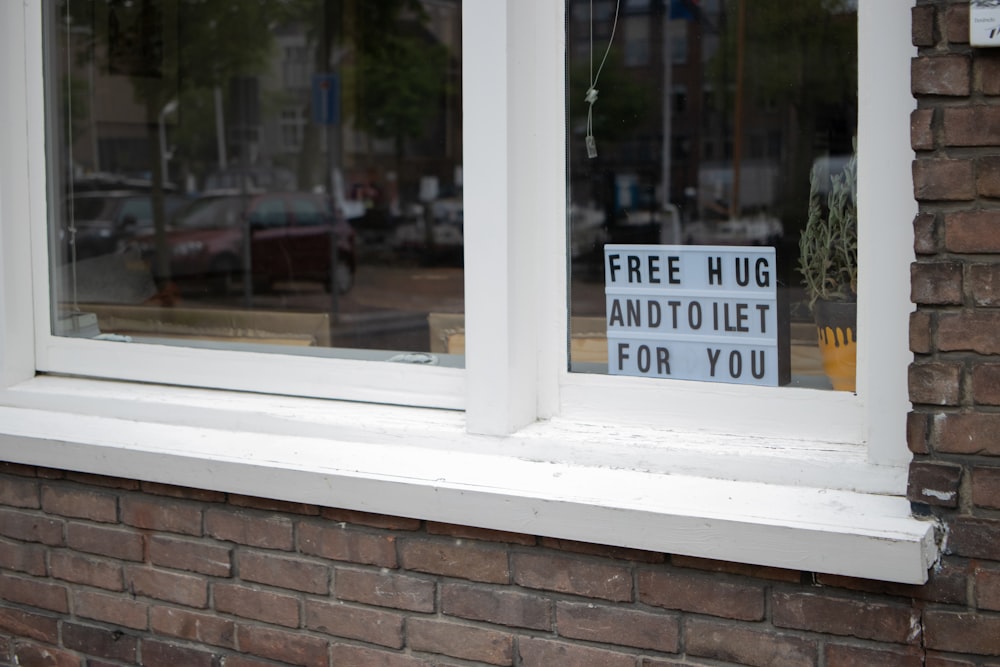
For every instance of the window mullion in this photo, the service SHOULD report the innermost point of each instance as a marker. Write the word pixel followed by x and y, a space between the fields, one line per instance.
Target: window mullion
pixel 514 178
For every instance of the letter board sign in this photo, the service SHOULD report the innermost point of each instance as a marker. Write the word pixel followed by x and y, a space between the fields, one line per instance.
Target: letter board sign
pixel 695 313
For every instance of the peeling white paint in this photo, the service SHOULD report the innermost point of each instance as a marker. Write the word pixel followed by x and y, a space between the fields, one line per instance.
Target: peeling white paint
pixel 940 495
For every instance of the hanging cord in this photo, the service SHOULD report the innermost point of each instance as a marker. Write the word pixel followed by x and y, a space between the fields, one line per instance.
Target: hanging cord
pixel 591 96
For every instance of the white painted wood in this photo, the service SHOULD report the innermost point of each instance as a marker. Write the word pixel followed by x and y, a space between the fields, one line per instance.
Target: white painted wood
pixel 16 304
pixel 823 530
pixel 886 208
pixel 505 181
pixel 342 379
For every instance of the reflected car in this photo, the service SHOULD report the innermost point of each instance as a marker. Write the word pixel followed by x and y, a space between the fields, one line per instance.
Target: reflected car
pixel 291 239
pixel 97 222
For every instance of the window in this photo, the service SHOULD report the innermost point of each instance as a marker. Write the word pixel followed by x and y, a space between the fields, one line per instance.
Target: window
pixel 805 480
pixel 261 111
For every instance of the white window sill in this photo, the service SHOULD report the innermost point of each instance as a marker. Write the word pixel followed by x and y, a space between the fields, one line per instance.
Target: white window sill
pixel 778 506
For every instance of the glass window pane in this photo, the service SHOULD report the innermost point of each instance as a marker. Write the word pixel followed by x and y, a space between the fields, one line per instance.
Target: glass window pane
pixel 215 161
pixel 735 132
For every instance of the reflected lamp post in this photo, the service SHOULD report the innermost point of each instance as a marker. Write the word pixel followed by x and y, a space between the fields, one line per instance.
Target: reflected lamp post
pixel 165 155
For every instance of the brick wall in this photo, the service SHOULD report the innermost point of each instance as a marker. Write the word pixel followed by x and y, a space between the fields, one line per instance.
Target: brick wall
pixel 98 571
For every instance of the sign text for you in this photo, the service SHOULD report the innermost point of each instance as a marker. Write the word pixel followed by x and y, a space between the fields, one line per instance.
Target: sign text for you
pixel 692 312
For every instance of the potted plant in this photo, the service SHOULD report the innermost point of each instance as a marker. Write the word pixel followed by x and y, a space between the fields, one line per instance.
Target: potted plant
pixel 828 262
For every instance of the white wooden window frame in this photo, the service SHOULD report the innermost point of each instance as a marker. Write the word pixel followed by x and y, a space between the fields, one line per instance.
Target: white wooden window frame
pixel 785 477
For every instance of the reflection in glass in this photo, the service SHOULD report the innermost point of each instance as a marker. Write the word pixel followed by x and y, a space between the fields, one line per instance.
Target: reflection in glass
pixel 284 173
pixel 709 140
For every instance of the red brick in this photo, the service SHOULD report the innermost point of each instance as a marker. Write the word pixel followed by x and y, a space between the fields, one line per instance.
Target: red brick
pixel 368 519
pixel 31 527
pixel 962 632
pixel 269 505
pixel 548 653
pixel 594 579
pixel 921 129
pixel 291 647
pixel 846 616
pixel 456 558
pixel 618 625
pixel 857 656
pixel 702 594
pixel 244 661
pixel 182 492
pixel 264 531
pixel 19 469
pixel 984 284
pixel 33 655
pixel 191 555
pixel 193 626
pixel 956 19
pixel 603 550
pixel 986 70
pixel 348 655
pixel 373 626
pixel 38 593
pixel 746 646
pixel 83 569
pixel 284 572
pixel 482 534
pixel 922 26
pixel 100 642
pixel 988 176
pixel 937 283
pixel 943 179
pixel 986 384
pixel 20 623
pixel 256 604
pixel 967 433
pixel 986 487
pixel 162 514
pixel 935 382
pixel 946 585
pixel 974 538
pixel 921 341
pixel 941 75
pixel 497 606
pixel 113 609
pixel 22 557
pixel 936 660
pixel 105 481
pixel 23 493
pixel 460 641
pixel 972 232
pixel 917 430
pixel 971 126
pixel 987 587
pixel 183 589
pixel 925 234
pixel 742 569
pixel 934 483
pixel 343 543
pixel 106 541
pixel 385 589
pixel 967 330
pixel 157 653
pixel 80 503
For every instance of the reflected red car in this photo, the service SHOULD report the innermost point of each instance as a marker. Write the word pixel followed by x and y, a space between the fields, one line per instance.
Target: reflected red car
pixel 291 239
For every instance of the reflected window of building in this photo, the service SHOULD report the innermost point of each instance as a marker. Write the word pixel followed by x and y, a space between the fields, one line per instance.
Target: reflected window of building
pixel 750 124
pixel 257 157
